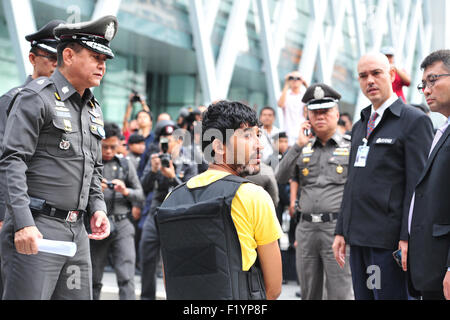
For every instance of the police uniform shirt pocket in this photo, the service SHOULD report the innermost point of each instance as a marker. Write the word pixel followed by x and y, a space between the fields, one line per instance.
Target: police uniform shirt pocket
pixel 337 168
pixel 63 140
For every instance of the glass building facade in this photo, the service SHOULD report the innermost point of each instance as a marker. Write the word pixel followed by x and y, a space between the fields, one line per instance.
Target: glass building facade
pixel 156 54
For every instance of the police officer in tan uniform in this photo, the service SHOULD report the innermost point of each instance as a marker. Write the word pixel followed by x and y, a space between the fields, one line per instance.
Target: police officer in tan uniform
pixel 52 166
pixel 317 164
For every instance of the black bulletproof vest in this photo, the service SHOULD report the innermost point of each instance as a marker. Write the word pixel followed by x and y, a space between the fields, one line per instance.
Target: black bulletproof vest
pixel 200 247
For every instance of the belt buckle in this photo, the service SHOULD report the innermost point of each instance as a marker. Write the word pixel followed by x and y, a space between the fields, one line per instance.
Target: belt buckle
pixel 72 216
pixel 316 217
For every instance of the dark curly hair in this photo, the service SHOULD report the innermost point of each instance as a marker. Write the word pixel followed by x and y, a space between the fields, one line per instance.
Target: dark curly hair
pixel 222 116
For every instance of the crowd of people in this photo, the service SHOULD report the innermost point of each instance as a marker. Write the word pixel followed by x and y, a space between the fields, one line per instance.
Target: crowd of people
pixel 208 191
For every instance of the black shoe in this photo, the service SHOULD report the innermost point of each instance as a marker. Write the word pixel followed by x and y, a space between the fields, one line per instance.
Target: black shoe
pixel 298 294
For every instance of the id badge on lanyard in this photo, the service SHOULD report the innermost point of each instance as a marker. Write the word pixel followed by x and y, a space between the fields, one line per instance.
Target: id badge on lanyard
pixel 361 156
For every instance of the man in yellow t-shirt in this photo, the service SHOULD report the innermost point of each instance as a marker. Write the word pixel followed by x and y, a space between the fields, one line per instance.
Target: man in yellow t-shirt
pixel 253 214
pixel 232 147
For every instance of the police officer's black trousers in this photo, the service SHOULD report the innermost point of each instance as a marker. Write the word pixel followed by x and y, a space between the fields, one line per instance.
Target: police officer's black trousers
pixel 121 245
pixel 150 252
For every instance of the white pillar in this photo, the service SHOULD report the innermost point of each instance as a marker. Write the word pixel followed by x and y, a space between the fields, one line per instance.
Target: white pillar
pixel 20 20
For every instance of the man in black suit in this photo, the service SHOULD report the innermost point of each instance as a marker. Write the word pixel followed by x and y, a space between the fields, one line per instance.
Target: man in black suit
pixel 429 215
pixel 390 144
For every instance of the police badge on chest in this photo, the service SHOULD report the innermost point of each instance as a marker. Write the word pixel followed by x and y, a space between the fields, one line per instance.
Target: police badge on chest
pixel 64 144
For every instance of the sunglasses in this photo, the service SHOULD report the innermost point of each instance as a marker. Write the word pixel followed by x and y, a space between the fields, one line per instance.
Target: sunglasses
pixel 294 78
pixel 51 58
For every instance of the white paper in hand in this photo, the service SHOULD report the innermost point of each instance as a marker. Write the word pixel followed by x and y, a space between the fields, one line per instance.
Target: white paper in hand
pixel 65 248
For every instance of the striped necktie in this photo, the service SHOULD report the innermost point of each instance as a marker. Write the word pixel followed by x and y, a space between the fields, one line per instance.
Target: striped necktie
pixel 371 124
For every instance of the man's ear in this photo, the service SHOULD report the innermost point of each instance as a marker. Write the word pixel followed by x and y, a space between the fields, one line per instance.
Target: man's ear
pixel 392 74
pixel 218 147
pixel 67 55
pixel 32 58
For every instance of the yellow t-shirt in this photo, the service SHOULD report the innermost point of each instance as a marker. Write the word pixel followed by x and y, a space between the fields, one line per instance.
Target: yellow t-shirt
pixel 253 214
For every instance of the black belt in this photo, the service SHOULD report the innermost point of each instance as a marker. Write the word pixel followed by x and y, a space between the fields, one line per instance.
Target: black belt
pixel 319 217
pixel 67 215
pixel 118 217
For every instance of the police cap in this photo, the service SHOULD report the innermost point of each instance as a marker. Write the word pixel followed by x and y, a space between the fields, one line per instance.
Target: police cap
pixel 93 35
pixel 320 96
pixel 44 38
pixel 165 128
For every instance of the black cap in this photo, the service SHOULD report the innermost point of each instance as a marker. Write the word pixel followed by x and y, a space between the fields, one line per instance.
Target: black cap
pixel 135 138
pixel 93 35
pixel 165 128
pixel 320 96
pixel 44 38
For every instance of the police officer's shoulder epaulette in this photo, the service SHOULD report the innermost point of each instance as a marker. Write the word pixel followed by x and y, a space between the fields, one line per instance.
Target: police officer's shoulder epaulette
pixel 95 101
pixel 37 85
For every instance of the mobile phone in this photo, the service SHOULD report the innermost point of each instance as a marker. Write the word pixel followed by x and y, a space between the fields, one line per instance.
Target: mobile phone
pixel 398 257
pixel 307 132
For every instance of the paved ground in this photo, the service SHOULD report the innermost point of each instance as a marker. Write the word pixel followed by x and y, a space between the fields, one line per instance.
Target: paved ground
pixel 110 290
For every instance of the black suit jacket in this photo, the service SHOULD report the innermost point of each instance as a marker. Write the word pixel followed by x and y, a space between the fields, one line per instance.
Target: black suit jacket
pixel 375 205
pixel 429 244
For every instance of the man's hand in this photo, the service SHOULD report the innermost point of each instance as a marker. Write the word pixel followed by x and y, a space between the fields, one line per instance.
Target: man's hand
pixel 447 285
pixel 25 240
pixel 99 226
pixel 339 250
pixel 302 140
pixel 136 213
pixel 292 209
pixel 104 185
pixel 168 172
pixel 120 187
pixel 403 245
pixel 156 162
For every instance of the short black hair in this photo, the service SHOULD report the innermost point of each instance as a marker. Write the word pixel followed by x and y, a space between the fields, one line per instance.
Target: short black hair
pixel 112 130
pixel 268 108
pixel 63 45
pixel 432 58
pixel 224 115
pixel 140 111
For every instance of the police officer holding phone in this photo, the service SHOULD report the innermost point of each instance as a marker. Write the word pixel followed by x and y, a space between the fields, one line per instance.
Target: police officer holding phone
pixel 317 164
pixel 52 166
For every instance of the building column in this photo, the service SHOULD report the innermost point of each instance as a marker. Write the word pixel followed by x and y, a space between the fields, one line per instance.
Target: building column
pixel 20 20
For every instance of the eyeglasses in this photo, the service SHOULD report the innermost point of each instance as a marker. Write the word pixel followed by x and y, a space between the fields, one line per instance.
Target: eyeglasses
pixel 429 83
pixel 294 78
pixel 51 58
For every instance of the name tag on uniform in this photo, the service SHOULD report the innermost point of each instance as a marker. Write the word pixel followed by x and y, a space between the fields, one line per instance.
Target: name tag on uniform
pixel 63 114
pixel 361 156
pixel 59 103
pixel 385 141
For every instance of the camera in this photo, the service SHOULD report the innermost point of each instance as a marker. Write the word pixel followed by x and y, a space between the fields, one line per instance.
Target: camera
pixel 136 97
pixel 165 157
pixel 110 185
